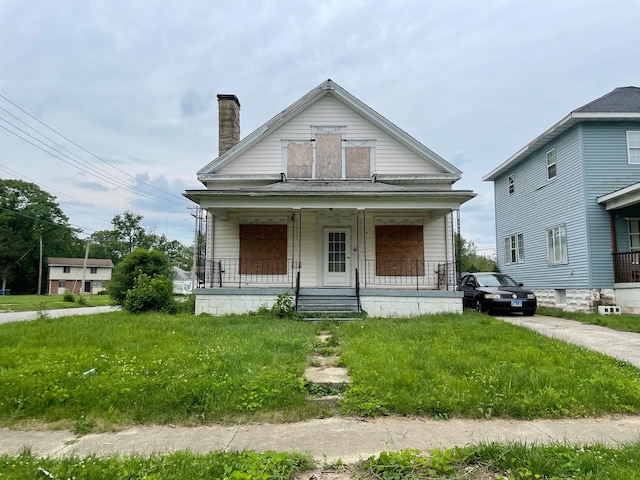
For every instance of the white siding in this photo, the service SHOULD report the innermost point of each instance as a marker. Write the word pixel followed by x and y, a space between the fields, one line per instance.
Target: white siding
pixel 391 157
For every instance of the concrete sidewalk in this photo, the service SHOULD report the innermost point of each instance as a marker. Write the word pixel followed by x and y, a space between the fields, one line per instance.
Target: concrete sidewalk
pixel 63 312
pixel 327 439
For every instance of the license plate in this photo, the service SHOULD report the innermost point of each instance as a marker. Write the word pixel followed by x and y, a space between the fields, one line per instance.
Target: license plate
pixel 516 303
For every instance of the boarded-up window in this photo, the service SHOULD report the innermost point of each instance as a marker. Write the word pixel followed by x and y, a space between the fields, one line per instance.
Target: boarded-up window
pixel 299 160
pixel 328 155
pixel 357 162
pixel 263 249
pixel 399 250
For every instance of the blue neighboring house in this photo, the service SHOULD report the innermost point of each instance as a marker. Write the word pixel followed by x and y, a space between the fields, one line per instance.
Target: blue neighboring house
pixel 567 208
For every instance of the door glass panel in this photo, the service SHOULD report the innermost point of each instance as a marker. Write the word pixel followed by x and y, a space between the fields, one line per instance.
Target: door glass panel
pixel 337 247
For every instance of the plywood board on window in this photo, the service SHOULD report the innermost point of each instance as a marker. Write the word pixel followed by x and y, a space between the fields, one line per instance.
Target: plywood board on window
pixel 299 160
pixel 328 155
pixel 399 250
pixel 357 162
pixel 263 249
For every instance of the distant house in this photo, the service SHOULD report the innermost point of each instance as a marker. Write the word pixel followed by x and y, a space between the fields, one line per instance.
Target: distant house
pixel 568 208
pixel 67 274
pixel 330 202
pixel 182 283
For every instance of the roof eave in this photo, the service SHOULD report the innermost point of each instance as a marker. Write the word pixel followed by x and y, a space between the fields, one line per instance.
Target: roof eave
pixel 560 127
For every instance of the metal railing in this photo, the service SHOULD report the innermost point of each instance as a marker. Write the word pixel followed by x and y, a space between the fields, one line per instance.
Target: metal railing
pixel 358 291
pixel 626 267
pixel 242 273
pixel 239 272
pixel 418 274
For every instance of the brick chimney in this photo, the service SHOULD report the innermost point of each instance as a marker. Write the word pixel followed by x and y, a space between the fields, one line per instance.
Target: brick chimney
pixel 228 122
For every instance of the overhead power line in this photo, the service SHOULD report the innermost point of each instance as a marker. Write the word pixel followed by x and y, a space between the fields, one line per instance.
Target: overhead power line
pixel 83 164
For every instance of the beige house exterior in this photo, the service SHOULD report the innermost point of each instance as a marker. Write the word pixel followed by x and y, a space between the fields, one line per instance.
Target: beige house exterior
pixel 328 200
pixel 68 274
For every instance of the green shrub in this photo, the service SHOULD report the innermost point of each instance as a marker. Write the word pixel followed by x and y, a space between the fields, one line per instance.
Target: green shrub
pixel 284 306
pixel 82 301
pixel 149 262
pixel 150 294
pixel 68 297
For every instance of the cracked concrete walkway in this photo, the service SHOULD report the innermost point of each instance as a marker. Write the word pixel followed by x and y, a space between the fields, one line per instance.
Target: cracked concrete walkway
pixel 326 439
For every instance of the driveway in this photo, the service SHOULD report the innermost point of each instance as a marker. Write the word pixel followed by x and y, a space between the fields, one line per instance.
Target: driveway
pixel 621 345
pixel 64 312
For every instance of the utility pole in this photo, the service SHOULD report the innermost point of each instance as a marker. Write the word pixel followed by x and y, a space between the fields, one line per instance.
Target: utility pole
pixel 40 269
pixel 84 266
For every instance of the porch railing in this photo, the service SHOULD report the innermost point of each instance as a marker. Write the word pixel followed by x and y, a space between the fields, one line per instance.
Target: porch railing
pixel 418 274
pixel 626 267
pixel 239 272
pixel 413 274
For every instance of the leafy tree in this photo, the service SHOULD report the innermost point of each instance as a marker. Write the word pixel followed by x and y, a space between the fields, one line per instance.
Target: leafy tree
pixel 471 261
pixel 128 234
pixel 178 254
pixel 27 214
pixel 149 262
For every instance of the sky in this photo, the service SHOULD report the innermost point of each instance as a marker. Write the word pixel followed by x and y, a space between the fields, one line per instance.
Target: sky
pixel 116 97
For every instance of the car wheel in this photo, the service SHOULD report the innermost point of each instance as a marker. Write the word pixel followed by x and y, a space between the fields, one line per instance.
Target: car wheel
pixel 529 313
pixel 479 307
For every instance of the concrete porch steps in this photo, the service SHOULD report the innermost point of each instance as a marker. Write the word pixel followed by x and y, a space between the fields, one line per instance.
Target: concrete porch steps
pixel 337 304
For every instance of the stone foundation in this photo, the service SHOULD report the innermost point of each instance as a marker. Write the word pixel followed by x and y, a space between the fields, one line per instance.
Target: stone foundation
pixel 576 300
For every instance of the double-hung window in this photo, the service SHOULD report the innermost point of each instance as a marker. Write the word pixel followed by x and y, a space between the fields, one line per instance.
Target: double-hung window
pixel 514 249
pixel 557 245
pixel 633 147
pixel 551 164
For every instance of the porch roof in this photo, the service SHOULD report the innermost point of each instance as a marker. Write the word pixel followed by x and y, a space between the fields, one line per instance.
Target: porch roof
pixel 624 197
pixel 293 195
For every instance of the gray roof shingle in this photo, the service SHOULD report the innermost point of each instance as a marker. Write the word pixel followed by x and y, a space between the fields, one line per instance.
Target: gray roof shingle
pixel 620 100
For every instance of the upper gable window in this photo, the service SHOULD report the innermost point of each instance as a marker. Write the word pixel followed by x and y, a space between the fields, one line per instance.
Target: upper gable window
pixel 511 183
pixel 633 147
pixel 551 164
pixel 328 155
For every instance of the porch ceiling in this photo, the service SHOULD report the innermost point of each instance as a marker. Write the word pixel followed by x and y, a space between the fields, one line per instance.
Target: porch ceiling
pixel 625 197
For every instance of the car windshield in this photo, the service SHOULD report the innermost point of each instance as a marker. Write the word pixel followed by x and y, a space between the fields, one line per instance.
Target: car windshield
pixel 495 280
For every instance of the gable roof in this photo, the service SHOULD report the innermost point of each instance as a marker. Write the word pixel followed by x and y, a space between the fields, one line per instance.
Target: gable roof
pixel 79 262
pixel 327 88
pixel 622 103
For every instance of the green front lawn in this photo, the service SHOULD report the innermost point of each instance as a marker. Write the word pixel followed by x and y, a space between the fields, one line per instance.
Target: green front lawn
pixel 110 370
pixel 27 303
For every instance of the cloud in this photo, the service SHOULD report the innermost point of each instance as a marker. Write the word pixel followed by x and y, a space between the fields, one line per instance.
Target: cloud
pixel 94 186
pixel 194 103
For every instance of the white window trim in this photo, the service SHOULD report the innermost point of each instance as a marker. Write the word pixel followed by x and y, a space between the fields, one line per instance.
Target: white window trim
pixel 629 147
pixel 564 249
pixel 631 234
pixel 516 239
pixel 554 163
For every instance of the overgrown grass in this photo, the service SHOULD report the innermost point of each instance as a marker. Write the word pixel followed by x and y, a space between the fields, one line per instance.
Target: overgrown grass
pixel 473 365
pixel 515 461
pixel 247 465
pixel 106 371
pixel 623 323
pixel 26 303
pixel 120 369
